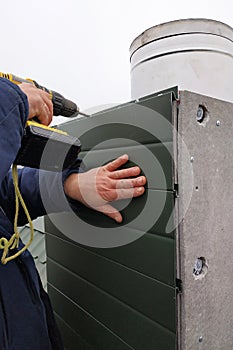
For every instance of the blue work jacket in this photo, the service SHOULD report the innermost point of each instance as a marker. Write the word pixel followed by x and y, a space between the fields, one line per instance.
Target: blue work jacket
pixel 26 316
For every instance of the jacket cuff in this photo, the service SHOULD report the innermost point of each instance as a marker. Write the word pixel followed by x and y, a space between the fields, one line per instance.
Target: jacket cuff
pixel 77 167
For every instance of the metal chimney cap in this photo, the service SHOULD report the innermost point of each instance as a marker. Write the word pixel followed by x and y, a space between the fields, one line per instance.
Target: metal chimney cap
pixel 179 27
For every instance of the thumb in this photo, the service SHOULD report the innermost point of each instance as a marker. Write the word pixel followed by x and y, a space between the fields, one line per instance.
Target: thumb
pixel 110 211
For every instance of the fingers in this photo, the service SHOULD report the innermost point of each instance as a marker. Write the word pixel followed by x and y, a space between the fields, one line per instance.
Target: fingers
pixel 124 173
pixel 45 112
pixel 129 188
pixel 125 193
pixel 115 164
pixel 130 183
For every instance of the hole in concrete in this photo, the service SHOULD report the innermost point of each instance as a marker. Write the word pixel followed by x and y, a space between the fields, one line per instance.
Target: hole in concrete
pixel 202 115
pixel 200 268
pixel 196 188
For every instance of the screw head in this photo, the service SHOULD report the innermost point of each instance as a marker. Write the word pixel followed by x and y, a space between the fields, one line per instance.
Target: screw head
pixel 198 266
pixel 200 114
pixel 192 159
pixel 200 339
pixel 218 122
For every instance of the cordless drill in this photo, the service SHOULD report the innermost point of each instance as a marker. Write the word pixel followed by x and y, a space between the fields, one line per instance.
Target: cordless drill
pixel 61 106
pixel 62 149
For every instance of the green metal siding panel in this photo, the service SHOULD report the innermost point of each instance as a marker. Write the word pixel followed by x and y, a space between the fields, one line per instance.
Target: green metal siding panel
pixel 154 220
pixel 146 295
pixel 151 255
pixel 131 327
pixel 73 341
pixel 173 91
pixel 93 332
pixel 156 263
pixel 134 121
pixel 125 297
pixel 160 206
pixel 161 104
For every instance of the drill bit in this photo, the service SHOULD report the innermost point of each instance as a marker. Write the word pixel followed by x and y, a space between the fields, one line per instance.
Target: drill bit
pixel 84 114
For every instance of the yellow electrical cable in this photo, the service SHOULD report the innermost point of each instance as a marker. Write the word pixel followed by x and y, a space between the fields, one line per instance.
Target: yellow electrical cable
pixel 13 242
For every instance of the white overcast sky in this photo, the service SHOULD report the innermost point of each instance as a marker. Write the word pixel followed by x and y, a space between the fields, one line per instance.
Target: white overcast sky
pixel 81 48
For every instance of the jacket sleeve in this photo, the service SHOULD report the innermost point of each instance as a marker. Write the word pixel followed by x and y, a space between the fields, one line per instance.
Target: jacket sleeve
pixel 13 116
pixel 42 191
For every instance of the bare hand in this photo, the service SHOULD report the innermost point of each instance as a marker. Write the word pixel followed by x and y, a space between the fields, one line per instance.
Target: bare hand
pixel 99 186
pixel 40 104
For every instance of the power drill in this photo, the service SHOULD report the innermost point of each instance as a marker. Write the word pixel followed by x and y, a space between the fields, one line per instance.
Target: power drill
pixel 61 105
pixel 63 149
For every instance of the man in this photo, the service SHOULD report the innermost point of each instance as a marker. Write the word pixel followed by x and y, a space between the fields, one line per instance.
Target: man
pixel 26 317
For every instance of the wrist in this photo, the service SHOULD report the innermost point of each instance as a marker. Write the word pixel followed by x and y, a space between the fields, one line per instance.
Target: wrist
pixel 71 187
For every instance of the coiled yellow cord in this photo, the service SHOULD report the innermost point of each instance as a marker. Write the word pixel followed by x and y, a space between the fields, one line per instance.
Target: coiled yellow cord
pixel 13 242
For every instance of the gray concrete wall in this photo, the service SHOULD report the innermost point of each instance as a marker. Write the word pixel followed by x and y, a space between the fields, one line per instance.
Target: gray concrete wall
pixel 206 309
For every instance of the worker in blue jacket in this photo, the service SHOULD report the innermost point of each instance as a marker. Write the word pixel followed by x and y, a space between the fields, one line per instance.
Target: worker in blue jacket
pixel 26 316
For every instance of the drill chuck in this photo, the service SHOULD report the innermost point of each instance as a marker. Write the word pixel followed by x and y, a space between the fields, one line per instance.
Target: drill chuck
pixel 63 106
